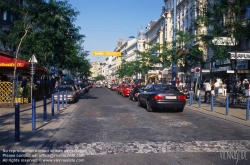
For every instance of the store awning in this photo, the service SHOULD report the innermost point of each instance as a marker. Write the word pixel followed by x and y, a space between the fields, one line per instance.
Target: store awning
pixel 7 62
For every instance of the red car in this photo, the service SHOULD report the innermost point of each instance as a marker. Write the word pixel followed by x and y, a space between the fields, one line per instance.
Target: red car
pixel 126 90
pixel 113 87
pixel 120 88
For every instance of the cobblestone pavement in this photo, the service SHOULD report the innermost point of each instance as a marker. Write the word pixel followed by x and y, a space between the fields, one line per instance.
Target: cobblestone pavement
pixel 103 148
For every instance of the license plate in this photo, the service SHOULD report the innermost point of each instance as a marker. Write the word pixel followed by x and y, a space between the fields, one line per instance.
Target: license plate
pixel 170 97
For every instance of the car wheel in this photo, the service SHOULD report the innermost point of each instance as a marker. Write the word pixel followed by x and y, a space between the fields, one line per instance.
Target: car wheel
pixel 129 97
pixel 139 103
pixel 180 109
pixel 149 109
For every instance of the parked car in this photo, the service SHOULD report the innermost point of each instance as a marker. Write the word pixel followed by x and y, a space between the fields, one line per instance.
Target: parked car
pixel 82 87
pixel 113 87
pixel 73 93
pixel 109 84
pixel 126 89
pixel 120 88
pixel 162 96
pixel 134 93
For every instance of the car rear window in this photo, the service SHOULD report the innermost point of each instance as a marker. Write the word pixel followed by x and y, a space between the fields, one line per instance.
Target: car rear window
pixel 164 88
pixel 64 88
pixel 130 86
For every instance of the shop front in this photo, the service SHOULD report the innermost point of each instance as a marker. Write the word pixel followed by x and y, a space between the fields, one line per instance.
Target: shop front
pixel 7 64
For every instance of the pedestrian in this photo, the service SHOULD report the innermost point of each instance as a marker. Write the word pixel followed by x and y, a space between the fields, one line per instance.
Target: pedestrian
pixel 217 85
pixel 246 86
pixel 212 88
pixel 207 91
pixel 224 89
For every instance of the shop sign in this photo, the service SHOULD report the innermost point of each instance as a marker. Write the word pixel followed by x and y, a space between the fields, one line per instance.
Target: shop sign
pixel 242 65
pixel 240 56
pixel 3 64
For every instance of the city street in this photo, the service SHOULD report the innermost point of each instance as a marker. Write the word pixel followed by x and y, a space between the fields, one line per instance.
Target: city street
pixel 109 129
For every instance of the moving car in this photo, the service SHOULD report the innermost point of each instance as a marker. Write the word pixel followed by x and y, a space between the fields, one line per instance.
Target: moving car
pixel 134 93
pixel 162 96
pixel 98 85
pixel 113 87
pixel 73 93
pixel 120 88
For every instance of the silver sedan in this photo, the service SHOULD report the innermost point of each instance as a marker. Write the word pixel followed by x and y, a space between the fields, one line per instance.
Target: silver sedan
pixel 73 94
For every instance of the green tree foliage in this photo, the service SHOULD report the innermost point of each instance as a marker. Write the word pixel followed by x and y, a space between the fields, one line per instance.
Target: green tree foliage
pixel 99 77
pixel 51 36
pixel 224 19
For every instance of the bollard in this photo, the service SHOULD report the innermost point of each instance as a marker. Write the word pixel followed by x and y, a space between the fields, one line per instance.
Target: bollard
pixel 52 105
pixel 33 114
pixel 199 100
pixel 63 99
pixel 191 98
pixel 247 110
pixel 212 103
pixel 227 106
pixel 190 102
pixel 58 101
pixel 17 122
pixel 44 109
pixel 66 97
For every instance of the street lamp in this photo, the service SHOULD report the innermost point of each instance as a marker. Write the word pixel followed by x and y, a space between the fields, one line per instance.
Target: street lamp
pixel 174 46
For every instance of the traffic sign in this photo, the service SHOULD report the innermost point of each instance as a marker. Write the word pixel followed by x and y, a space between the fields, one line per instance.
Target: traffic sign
pixel 100 53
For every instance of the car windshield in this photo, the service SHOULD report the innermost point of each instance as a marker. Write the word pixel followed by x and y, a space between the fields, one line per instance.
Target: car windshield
pixel 65 88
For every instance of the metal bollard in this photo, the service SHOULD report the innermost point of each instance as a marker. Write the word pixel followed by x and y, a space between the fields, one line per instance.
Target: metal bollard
pixel 212 103
pixel 33 114
pixel 58 101
pixel 52 105
pixel 66 97
pixel 17 122
pixel 227 106
pixel 63 99
pixel 191 98
pixel 199 102
pixel 247 110
pixel 190 102
pixel 44 109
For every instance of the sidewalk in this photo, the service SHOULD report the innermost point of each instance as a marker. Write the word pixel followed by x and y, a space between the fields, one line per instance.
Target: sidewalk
pixel 29 138
pixel 237 115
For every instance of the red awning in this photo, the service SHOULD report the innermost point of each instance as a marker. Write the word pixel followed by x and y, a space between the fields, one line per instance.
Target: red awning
pixel 8 62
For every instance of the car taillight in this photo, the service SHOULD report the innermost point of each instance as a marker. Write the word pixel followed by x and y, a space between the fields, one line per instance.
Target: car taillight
pixel 182 97
pixel 158 97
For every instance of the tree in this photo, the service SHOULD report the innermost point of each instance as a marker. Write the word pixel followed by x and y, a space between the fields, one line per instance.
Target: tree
pixel 224 19
pixel 99 77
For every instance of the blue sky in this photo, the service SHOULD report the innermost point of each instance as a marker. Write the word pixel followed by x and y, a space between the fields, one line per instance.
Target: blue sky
pixel 104 22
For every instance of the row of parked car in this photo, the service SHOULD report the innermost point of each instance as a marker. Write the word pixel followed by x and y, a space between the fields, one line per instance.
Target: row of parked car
pixel 73 92
pixel 153 96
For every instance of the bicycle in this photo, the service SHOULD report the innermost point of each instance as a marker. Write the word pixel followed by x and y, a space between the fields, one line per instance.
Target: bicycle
pixel 207 97
pixel 234 100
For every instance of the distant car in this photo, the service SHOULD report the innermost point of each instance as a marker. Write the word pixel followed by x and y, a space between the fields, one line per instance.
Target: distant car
pixel 134 93
pixel 109 84
pixel 73 93
pixel 126 89
pixel 113 87
pixel 162 96
pixel 98 85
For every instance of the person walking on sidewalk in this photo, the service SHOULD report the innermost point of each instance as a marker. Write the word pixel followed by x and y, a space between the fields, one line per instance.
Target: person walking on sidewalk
pixel 207 91
pixel 224 89
pixel 246 86
pixel 217 85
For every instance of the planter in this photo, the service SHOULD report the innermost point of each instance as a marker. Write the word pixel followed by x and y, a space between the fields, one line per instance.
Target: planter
pixel 22 100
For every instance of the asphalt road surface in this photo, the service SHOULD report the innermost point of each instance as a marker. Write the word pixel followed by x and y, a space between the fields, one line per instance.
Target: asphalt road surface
pixel 108 129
